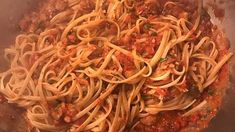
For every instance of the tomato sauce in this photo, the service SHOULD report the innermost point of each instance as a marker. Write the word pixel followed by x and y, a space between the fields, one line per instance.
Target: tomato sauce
pixel 2 99
pixel 173 121
pixel 126 62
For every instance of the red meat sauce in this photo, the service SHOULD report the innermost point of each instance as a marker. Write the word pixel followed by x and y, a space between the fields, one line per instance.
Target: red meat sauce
pixel 218 11
pixel 2 99
pixel 165 121
pixel 146 44
pixel 36 21
pixel 172 121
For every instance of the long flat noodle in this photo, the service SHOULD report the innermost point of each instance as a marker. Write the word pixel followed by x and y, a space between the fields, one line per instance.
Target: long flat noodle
pixel 204 57
pixel 219 65
pixel 135 92
pixel 104 64
pixel 88 120
pixel 160 50
pixel 209 82
pixel 127 79
pixel 185 56
pixel 92 105
pixel 180 106
pixel 167 85
pixel 158 78
pixel 40 80
pixel 179 73
pixel 60 16
pixel 98 121
pixel 138 58
pixel 202 41
pixel 31 72
pixel 198 107
pixel 89 94
pixel 75 22
pixel 116 123
pixel 118 48
pixel 88 69
pixel 36 117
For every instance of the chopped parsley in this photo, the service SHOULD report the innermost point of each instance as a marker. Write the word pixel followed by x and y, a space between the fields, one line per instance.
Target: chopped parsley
pixel 162 60
pixel 147 26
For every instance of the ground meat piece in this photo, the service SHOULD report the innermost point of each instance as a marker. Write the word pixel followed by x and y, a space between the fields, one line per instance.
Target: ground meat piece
pixel 24 24
pixel 107 28
pixel 174 10
pixel 96 53
pixel 149 120
pixel 148 7
pixel 165 121
pixel 2 99
pixel 81 120
pixel 126 62
pixel 147 45
pixel 205 25
pixel 64 111
pixel 61 5
pixel 39 19
pixel 86 6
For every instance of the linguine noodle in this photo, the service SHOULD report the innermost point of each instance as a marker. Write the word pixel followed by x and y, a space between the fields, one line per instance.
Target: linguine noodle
pixel 79 74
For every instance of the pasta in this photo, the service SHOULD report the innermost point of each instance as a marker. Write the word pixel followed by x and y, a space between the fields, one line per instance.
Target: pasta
pixel 103 69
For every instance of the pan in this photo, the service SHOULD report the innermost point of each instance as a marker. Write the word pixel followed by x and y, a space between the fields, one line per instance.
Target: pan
pixel 11 11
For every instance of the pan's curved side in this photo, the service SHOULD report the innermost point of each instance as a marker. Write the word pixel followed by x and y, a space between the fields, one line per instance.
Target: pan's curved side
pixel 11 11
pixel 224 120
pixel 11 119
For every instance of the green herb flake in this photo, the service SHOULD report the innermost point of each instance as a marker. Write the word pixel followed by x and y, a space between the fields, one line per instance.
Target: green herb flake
pixel 147 26
pixel 162 60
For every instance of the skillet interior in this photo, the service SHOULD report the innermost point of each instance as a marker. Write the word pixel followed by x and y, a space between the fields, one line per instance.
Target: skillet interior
pixel 11 119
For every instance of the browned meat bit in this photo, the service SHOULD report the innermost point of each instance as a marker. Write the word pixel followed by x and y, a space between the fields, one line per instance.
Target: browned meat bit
pixel 131 18
pixel 165 121
pixel 148 120
pixel 24 24
pixel 36 22
pixel 81 120
pixel 174 10
pixel 126 42
pixel 148 7
pixel 180 9
pixel 71 39
pixel 53 7
pixel 86 6
pixel 146 45
pixel 2 99
pixel 205 25
pixel 61 5
pixel 64 112
pixel 107 28
pixel 32 25
pixel 126 62
pixel 96 53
